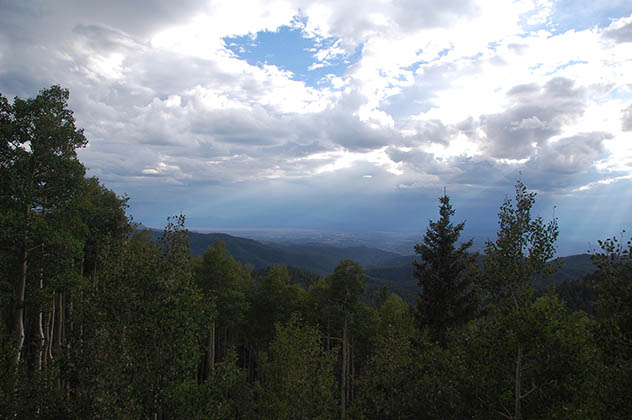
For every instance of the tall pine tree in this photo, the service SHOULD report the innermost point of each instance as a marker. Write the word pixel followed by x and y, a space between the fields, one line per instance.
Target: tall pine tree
pixel 447 297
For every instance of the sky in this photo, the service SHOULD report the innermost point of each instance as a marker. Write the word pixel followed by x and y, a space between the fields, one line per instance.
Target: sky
pixel 342 115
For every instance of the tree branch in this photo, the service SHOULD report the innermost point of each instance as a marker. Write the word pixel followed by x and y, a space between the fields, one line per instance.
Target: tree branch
pixel 527 394
pixel 504 415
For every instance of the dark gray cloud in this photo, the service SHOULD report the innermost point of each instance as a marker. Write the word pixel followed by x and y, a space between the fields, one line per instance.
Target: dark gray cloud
pixel 348 131
pixel 524 89
pixel 626 119
pixel 519 49
pixel 52 42
pixel 554 166
pixel 433 131
pixel 568 162
pixel 621 34
pixel 248 127
pixel 576 153
pixel 39 20
pixel 413 14
pixel 422 161
pixel 467 126
pixel 102 38
pixel 482 172
pixel 402 15
pixel 537 114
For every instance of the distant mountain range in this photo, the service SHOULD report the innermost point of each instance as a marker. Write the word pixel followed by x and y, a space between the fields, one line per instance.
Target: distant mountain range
pixel 318 258
pixel 384 268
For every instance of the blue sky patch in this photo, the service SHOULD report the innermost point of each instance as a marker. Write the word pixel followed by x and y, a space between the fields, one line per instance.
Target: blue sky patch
pixel 290 49
pixel 563 66
pixel 586 14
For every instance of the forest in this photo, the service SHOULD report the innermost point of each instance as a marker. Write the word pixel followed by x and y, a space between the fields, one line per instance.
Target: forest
pixel 99 321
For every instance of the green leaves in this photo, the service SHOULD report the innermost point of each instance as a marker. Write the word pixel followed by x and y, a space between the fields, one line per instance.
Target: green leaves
pixel 273 301
pixel 521 251
pixel 614 314
pixel 347 284
pixel 297 380
pixel 557 365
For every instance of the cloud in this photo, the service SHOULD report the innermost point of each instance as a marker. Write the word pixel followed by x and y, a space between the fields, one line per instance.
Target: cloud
pixel 461 93
pixel 568 162
pixel 341 18
pixel 620 30
pixel 535 115
pixel 627 119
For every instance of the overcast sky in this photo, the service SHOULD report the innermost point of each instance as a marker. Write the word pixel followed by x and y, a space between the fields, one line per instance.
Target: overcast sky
pixel 342 115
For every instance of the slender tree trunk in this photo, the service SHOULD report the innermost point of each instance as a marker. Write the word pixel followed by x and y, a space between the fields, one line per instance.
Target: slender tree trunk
pixel 19 307
pixel 69 332
pixel 19 295
pixel 518 383
pixel 40 329
pixel 222 355
pixel 51 337
pixel 352 382
pixel 251 363
pixel 80 320
pixel 348 373
pixel 95 282
pixel 60 332
pixel 328 341
pixel 48 335
pixel 60 319
pixel 210 355
pixel 343 376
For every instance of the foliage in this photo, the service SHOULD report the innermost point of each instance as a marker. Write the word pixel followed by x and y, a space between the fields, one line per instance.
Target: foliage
pixel 521 251
pixel 447 297
pixel 614 314
pixel 559 361
pixel 272 302
pixel 297 380
pixel 226 394
pixel 395 314
pixel 347 284
pixel 100 322
pixel 406 381
pixel 225 280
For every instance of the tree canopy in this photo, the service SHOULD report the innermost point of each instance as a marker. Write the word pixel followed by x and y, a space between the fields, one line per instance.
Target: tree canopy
pixel 99 320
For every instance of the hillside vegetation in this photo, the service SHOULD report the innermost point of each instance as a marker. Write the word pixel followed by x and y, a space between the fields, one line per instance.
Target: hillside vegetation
pixel 101 321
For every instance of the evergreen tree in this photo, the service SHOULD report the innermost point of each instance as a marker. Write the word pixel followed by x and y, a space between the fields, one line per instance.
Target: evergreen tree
pixel 447 297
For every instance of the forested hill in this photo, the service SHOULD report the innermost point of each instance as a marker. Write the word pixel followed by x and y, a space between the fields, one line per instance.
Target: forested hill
pixel 384 267
pixel 317 258
pixel 399 277
pixel 100 322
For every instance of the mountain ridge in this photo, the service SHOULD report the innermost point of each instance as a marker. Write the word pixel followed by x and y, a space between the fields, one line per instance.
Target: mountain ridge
pixel 385 268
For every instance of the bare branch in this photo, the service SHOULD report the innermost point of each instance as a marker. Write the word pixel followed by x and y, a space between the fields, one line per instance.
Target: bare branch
pixel 527 394
pixel 504 415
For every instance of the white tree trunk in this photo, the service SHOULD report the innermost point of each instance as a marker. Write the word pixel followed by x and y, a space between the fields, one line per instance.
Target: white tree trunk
pixel 518 383
pixel 343 376
pixel 19 307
